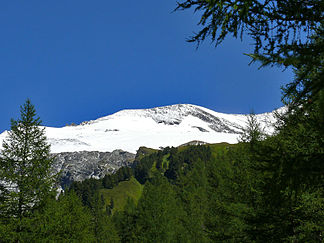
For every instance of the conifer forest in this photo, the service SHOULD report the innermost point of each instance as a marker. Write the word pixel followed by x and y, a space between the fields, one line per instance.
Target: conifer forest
pixel 265 188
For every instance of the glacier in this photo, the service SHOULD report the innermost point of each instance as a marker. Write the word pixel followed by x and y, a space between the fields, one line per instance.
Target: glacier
pixel 158 127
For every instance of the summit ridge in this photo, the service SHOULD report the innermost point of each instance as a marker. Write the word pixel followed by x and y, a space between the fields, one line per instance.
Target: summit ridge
pixel 157 127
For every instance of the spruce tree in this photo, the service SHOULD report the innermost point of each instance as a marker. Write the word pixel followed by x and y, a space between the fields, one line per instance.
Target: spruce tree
pixel 159 213
pixel 25 165
pixel 192 188
pixel 62 220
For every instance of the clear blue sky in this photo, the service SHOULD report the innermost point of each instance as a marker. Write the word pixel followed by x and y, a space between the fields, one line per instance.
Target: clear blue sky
pixel 79 60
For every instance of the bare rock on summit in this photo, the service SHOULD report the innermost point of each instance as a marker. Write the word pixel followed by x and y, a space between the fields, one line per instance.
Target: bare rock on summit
pixel 193 143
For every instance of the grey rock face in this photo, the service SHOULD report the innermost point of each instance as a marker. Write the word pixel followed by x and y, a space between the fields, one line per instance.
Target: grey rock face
pixel 78 166
pixel 216 123
pixel 174 114
pixel 195 143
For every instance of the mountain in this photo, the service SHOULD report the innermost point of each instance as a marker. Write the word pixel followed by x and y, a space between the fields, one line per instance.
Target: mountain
pixel 78 166
pixel 157 127
pixel 95 148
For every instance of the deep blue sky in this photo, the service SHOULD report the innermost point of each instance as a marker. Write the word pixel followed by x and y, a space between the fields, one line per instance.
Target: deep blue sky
pixel 79 60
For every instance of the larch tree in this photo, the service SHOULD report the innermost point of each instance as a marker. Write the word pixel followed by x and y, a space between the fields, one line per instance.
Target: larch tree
pixel 285 33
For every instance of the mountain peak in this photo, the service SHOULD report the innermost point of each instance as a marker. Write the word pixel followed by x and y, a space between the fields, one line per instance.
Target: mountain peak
pixel 157 127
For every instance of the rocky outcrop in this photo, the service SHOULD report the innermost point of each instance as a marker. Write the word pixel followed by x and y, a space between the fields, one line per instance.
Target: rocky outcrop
pixel 78 166
pixel 174 115
pixel 193 143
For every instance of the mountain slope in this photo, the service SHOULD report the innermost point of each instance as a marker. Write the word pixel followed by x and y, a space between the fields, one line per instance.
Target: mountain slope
pixel 157 127
pixel 78 166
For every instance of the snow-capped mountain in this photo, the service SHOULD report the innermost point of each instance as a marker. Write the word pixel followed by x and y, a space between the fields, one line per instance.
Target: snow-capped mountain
pixel 157 127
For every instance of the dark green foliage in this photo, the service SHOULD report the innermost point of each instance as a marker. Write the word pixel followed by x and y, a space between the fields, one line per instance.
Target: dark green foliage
pixel 28 209
pixel 253 191
pixel 264 189
pixel 142 169
pixel 104 229
pixel 158 213
pixel 231 189
pixel 185 160
pixel 252 133
pixel 25 165
pixel 122 174
pixel 274 25
pixel 63 220
pixel 288 33
pixel 111 205
pixel 143 152
pixel 108 182
pixel 192 190
pixel 125 221
pixel 295 174
pixel 307 86
pixel 86 190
